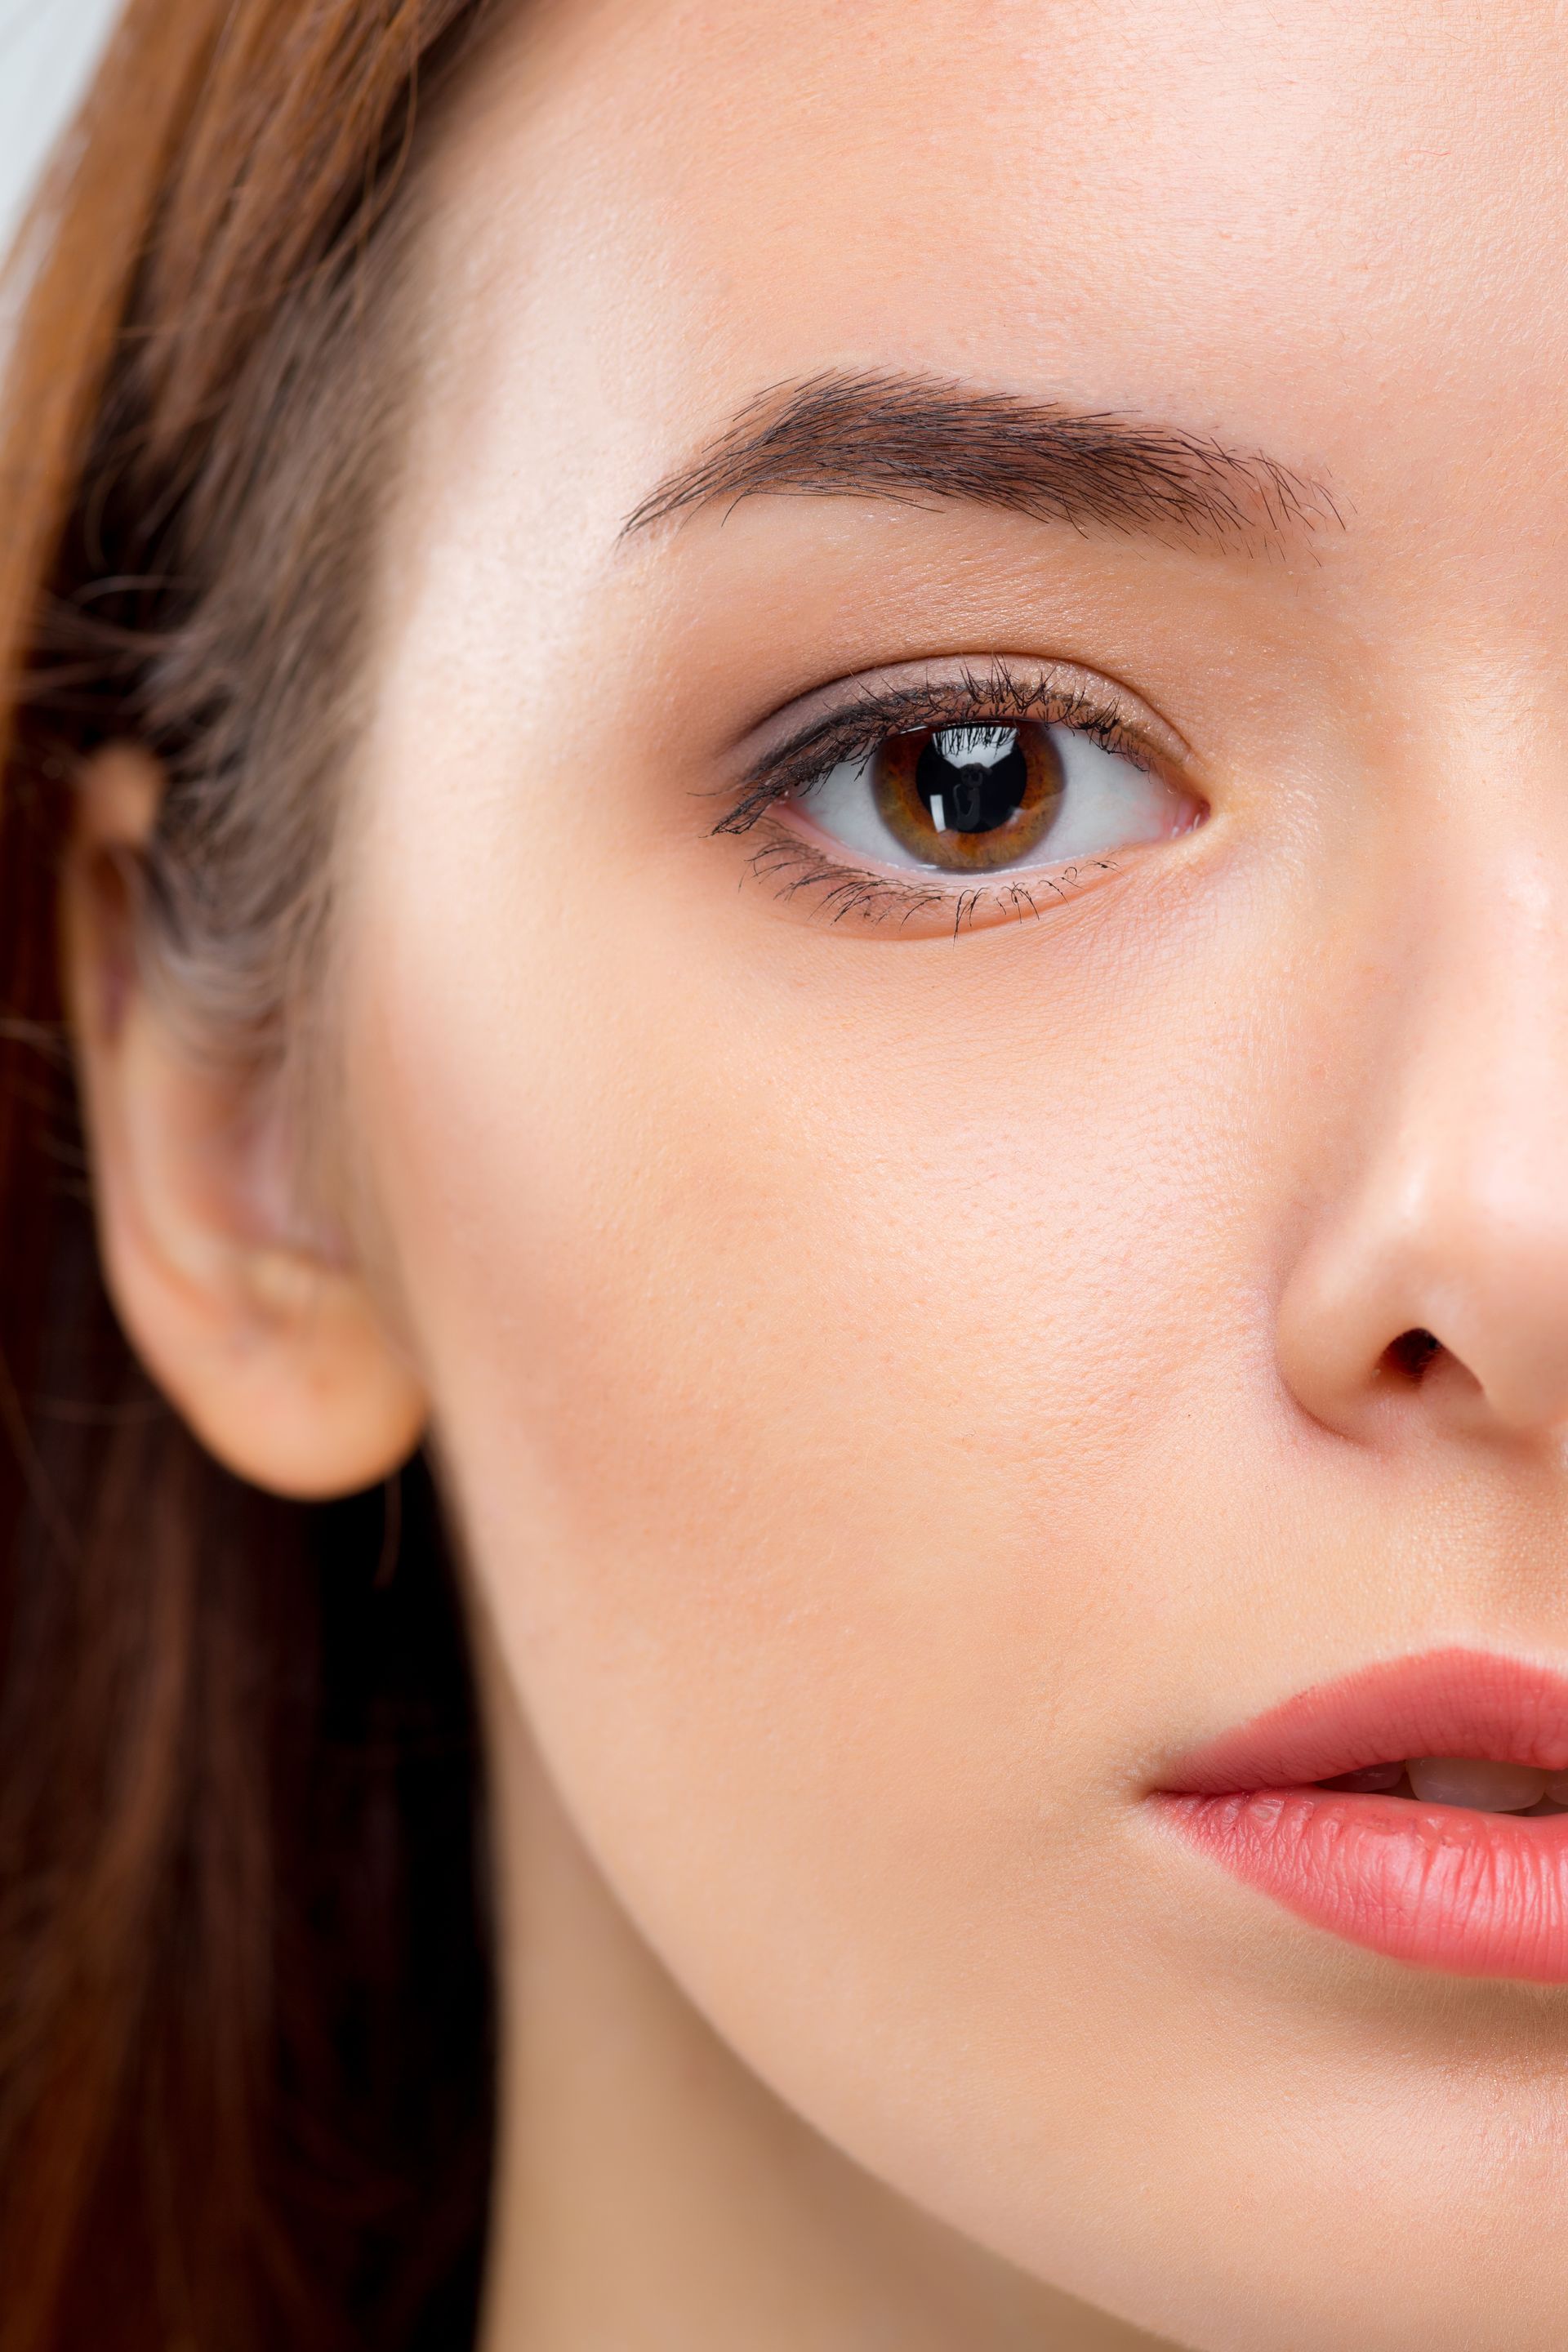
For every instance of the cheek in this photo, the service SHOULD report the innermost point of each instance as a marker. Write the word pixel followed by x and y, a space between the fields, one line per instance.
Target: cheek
pixel 811 1328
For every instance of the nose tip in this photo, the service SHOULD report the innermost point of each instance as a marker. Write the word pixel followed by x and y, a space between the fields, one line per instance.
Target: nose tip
pixel 1439 1302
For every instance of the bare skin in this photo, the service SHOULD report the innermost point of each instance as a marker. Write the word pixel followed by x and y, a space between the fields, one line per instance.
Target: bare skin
pixel 903 1379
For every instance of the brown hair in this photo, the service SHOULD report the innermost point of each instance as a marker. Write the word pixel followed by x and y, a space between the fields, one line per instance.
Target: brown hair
pixel 245 2040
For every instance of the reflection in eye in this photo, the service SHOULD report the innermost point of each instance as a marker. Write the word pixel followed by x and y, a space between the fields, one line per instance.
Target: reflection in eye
pixel 980 798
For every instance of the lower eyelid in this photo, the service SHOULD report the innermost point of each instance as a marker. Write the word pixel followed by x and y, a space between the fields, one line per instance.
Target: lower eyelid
pixel 916 902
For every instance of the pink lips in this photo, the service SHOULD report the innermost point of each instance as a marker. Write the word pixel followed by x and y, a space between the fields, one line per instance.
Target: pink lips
pixel 1474 1894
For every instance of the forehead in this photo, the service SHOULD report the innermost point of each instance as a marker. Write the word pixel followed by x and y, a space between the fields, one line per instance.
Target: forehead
pixel 1333 232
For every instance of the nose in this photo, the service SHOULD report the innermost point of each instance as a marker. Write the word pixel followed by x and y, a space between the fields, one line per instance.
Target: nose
pixel 1435 1277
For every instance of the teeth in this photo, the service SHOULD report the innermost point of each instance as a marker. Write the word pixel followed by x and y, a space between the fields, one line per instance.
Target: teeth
pixel 1372 1779
pixel 1485 1787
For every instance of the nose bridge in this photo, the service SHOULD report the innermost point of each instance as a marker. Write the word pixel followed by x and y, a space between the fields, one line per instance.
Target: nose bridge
pixel 1480 1131
pixel 1450 1216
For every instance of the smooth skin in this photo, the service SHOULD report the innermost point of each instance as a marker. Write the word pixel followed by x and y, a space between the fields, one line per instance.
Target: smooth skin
pixel 901 1387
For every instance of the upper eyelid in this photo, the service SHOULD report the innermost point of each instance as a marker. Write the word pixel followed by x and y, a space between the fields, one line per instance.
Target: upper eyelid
pixel 894 692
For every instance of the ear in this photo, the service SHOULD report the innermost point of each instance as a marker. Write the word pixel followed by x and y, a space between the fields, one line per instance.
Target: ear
pixel 269 1345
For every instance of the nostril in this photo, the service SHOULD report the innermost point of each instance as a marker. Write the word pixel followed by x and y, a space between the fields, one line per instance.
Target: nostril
pixel 1410 1355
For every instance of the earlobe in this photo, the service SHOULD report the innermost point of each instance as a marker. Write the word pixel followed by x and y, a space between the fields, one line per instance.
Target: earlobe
pixel 270 1346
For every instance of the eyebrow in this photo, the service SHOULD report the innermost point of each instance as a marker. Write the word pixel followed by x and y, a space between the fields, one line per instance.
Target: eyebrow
pixel 918 439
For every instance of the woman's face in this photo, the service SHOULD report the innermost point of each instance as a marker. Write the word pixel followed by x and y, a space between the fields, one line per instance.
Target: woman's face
pixel 925 1023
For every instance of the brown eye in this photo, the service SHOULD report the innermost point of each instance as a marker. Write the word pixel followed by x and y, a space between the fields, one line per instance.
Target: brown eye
pixel 969 798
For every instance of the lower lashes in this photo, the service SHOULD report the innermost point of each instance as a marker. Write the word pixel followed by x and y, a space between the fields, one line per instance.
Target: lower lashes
pixel 789 866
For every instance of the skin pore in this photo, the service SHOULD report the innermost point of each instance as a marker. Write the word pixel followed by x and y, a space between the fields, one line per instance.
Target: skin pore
pixel 904 1372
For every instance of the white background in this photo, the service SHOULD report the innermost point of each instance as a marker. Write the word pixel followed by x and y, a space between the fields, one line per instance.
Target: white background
pixel 46 50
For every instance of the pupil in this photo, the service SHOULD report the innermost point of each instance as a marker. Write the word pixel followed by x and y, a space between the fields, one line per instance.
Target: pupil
pixel 972 779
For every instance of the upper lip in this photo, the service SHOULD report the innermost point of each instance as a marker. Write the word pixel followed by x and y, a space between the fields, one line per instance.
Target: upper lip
pixel 1449 1702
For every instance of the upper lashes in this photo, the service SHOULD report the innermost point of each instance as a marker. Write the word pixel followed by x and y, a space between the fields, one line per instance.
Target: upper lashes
pixel 853 732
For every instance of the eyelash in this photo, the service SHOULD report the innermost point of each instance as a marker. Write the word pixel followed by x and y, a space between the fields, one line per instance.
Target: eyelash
pixel 853 730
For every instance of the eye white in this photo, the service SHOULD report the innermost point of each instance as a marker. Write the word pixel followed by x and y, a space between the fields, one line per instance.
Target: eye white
pixel 1107 803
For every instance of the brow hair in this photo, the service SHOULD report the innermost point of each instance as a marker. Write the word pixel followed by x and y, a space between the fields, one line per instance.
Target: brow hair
pixel 917 439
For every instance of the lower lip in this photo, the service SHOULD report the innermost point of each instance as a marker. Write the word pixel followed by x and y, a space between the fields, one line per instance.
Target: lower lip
pixel 1478 1894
